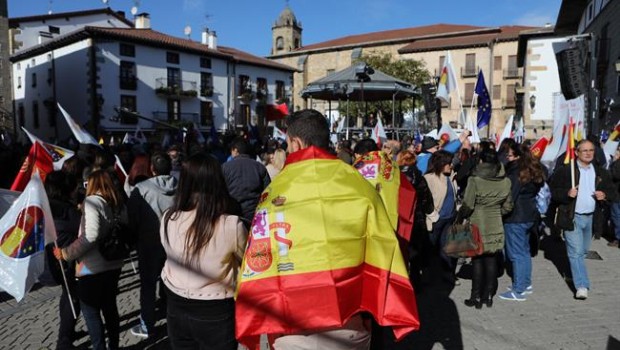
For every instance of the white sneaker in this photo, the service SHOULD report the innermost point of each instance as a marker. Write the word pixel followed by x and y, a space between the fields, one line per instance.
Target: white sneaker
pixel 582 294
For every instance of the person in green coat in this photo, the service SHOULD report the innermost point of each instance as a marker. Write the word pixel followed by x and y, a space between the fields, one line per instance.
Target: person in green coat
pixel 487 198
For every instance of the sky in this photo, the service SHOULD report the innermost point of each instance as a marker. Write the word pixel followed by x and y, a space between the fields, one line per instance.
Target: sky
pixel 246 24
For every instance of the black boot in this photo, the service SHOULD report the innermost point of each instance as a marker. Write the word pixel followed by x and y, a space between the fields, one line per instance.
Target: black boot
pixel 476 284
pixel 490 279
pixel 473 302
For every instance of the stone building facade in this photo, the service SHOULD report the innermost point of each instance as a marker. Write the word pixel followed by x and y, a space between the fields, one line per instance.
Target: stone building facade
pixel 490 49
pixel 6 99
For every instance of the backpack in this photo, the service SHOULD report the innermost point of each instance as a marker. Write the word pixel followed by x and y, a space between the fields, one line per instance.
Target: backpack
pixel 116 244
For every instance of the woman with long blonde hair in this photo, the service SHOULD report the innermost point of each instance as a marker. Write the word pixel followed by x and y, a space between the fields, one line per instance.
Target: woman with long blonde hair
pixel 97 278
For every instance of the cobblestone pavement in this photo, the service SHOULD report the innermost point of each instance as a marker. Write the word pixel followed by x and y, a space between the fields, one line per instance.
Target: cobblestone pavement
pixel 550 319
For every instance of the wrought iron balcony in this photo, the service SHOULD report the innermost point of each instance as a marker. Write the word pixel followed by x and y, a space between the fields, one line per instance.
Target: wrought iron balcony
pixel 512 73
pixel 176 88
pixel 169 116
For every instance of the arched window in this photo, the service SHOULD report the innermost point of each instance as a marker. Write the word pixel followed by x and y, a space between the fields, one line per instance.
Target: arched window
pixel 279 43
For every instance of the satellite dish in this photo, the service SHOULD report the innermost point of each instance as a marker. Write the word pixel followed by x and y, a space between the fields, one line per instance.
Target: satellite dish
pixel 134 9
pixel 187 31
pixel 105 2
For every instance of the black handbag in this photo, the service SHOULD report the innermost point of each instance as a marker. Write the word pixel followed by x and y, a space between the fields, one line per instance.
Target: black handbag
pixel 115 245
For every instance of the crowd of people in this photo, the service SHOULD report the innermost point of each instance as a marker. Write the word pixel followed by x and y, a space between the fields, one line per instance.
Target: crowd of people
pixel 191 216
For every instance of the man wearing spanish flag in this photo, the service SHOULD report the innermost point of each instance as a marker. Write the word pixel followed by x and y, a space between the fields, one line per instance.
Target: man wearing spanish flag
pixel 321 250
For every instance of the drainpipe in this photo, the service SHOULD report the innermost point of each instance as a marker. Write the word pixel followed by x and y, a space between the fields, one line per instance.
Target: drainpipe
pixel 94 102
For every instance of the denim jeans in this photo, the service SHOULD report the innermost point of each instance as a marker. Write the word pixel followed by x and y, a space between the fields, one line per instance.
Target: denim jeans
pixel 615 218
pixel 438 239
pixel 97 294
pixel 577 246
pixel 151 259
pixel 518 252
pixel 201 324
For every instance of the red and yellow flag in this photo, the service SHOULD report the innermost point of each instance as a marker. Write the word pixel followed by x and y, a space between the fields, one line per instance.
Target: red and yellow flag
pixel 570 145
pixel 320 250
pixel 397 194
pixel 38 158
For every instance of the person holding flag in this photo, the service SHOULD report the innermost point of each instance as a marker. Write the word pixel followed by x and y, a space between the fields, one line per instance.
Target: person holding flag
pixel 320 231
pixel 97 278
pixel 579 188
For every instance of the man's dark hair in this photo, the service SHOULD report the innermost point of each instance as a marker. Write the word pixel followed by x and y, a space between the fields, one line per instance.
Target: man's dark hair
pixel 310 126
pixel 161 163
pixel 240 145
pixel 364 146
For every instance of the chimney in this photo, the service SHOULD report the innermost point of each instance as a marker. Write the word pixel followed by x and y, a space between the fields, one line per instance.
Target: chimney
pixel 142 21
pixel 212 40
pixel 205 36
pixel 209 38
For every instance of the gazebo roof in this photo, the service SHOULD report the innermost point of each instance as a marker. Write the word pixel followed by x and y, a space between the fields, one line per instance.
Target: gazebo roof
pixel 346 85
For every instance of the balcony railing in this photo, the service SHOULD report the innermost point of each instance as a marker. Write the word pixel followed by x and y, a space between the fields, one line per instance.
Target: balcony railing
pixel 206 91
pixel 512 73
pixel 176 88
pixel 468 72
pixel 128 83
pixel 167 116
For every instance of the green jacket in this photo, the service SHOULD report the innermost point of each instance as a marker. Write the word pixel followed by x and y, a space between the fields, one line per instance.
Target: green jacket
pixel 487 198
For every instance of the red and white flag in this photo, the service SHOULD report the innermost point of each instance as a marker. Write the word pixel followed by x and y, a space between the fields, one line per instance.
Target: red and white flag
pixel 378 133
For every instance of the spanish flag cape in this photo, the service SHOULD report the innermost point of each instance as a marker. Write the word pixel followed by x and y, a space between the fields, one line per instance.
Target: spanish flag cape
pixel 320 250
pixel 396 192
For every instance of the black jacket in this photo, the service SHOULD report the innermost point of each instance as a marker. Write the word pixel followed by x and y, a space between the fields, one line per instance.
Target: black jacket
pixel 246 179
pixel 560 184
pixel 523 197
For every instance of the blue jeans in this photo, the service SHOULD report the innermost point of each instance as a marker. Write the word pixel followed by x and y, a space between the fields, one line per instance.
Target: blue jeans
pixel 518 252
pixel 615 218
pixel 577 246
pixel 438 239
pixel 97 294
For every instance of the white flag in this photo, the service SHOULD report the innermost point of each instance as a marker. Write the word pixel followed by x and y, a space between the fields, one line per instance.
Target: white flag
pixel 80 134
pixel 26 228
pixel 446 133
pixel 138 136
pixel 507 133
pixel 447 80
pixel 471 126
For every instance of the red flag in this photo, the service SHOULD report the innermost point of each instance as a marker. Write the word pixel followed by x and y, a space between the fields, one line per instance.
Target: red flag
pixel 277 111
pixel 538 148
pixel 38 158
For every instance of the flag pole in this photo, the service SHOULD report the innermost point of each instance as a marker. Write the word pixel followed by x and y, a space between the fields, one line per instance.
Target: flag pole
pixel 572 172
pixel 458 96
pixel 64 279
